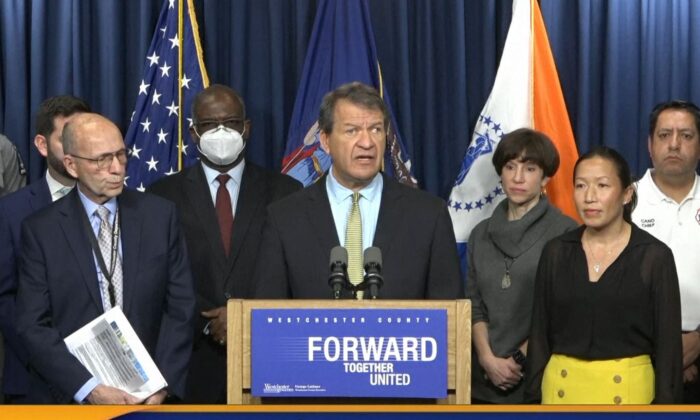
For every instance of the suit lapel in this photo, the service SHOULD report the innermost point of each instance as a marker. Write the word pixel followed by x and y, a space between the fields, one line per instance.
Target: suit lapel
pixel 71 221
pixel 131 228
pixel 251 198
pixel 320 216
pixel 390 215
pixel 197 192
pixel 40 196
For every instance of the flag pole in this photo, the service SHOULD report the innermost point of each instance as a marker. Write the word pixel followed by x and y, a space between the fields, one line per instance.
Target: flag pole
pixel 180 30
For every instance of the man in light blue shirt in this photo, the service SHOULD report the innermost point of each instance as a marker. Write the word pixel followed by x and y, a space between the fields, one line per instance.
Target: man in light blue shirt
pixel 411 227
pixel 99 247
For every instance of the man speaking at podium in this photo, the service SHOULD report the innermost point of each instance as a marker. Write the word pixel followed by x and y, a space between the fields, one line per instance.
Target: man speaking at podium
pixel 356 206
pixel 96 248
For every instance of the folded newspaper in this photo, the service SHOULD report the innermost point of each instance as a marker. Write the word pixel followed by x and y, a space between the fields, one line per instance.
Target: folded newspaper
pixel 110 349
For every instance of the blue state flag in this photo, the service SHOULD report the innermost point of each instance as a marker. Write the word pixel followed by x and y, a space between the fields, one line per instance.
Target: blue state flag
pixel 158 137
pixel 341 50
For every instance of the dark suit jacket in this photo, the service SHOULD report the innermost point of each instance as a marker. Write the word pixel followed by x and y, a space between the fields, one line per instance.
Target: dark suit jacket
pixel 14 208
pixel 414 233
pixel 58 290
pixel 217 276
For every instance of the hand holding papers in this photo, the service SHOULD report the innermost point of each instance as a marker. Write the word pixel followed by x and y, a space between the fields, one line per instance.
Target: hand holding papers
pixel 111 351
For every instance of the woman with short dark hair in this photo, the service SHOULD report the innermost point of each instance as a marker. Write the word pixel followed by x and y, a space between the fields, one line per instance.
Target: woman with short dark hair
pixel 503 255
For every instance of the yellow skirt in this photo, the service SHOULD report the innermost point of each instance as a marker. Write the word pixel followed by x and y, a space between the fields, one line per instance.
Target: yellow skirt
pixel 568 380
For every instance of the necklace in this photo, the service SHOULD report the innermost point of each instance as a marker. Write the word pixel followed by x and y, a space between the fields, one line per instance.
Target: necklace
pixel 505 281
pixel 597 265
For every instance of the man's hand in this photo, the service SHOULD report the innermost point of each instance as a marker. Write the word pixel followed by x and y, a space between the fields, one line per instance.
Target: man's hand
pixel 690 374
pixel 217 326
pixel 691 347
pixel 503 373
pixel 103 394
pixel 156 398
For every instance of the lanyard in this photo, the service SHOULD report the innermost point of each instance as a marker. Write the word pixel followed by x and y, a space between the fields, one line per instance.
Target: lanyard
pixel 98 253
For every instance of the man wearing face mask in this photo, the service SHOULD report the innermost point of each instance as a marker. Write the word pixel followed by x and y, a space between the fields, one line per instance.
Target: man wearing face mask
pixel 221 202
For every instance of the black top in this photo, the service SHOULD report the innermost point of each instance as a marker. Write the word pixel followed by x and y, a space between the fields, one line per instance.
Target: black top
pixel 634 309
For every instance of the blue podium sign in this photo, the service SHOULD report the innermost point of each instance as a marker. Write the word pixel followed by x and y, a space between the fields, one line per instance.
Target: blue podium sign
pixel 349 353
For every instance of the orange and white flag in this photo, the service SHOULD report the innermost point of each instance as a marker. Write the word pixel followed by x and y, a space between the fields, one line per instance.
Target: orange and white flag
pixel 526 93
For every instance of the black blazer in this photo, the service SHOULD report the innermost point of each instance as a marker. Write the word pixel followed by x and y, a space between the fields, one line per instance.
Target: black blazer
pixel 414 233
pixel 59 293
pixel 216 276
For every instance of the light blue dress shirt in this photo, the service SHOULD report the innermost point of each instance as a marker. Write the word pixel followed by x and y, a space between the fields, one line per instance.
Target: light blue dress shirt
pixel 90 208
pixel 340 199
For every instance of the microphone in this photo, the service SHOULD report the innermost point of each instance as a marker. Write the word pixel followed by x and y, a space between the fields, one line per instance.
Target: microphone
pixel 338 266
pixel 373 269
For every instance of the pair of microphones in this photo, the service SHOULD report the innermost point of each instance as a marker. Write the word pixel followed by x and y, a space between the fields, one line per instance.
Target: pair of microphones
pixel 338 279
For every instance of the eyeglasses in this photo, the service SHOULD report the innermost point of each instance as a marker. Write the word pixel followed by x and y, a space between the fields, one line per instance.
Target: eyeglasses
pixel 234 123
pixel 104 161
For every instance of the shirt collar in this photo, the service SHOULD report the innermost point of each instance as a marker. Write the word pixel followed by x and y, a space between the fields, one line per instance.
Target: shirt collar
pixel 54 185
pixel 338 192
pixel 637 236
pixel 656 195
pixel 236 173
pixel 90 206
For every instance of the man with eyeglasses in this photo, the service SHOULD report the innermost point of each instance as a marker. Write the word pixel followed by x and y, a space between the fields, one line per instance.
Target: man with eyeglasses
pixel 221 202
pixel 100 247
pixel 669 208
pixel 14 208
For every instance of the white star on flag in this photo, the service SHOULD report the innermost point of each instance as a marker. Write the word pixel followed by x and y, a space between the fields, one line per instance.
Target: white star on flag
pixel 185 81
pixel 156 97
pixel 165 69
pixel 172 109
pixel 161 136
pixel 153 59
pixel 135 151
pixel 146 126
pixel 152 164
pixel 174 41
pixel 143 88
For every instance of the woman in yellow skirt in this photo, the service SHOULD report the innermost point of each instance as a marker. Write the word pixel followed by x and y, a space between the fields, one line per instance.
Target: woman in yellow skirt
pixel 606 321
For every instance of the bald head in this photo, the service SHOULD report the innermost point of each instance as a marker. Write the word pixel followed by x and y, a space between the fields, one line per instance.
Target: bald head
pixel 216 94
pixel 95 155
pixel 84 128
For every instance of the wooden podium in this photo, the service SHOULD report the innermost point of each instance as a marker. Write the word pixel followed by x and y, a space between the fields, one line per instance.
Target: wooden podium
pixel 458 341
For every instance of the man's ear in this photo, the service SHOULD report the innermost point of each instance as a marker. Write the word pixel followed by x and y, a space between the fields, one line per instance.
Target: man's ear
pixel 42 145
pixel 193 134
pixel 69 163
pixel 325 142
pixel 247 124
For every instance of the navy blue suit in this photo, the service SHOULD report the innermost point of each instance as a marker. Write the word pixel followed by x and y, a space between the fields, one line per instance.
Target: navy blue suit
pixel 414 233
pixel 14 208
pixel 59 293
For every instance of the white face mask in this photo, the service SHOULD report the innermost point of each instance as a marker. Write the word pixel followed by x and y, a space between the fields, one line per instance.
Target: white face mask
pixel 221 145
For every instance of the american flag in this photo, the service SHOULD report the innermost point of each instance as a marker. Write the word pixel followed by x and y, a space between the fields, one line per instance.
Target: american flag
pixel 158 137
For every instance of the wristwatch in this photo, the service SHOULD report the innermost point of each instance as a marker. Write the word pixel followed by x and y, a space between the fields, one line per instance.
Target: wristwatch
pixel 519 357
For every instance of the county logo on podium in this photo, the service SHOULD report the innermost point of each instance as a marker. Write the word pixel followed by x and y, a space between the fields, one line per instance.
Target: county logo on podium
pixel 349 353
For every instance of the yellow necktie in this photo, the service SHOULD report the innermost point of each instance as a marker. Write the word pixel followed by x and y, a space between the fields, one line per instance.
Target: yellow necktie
pixel 353 243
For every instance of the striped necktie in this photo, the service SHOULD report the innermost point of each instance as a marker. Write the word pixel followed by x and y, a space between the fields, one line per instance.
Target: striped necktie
pixel 353 243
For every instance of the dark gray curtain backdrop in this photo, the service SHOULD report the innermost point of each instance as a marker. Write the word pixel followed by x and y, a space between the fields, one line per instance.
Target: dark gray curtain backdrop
pixel 616 59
